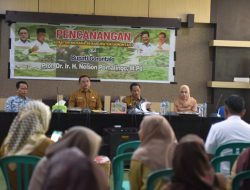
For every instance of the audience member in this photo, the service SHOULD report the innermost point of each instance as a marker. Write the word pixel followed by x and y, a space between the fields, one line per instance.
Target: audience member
pixel 15 103
pixel 242 164
pixel 155 152
pixel 85 97
pixel 81 137
pixel 27 134
pixel 74 172
pixel 233 129
pixel 144 48
pixel 185 103
pixel 192 138
pixel 134 100
pixel 192 169
pixel 27 131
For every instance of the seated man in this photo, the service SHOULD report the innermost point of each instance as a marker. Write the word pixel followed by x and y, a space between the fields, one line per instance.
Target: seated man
pixel 15 103
pixel 134 100
pixel 85 97
pixel 232 129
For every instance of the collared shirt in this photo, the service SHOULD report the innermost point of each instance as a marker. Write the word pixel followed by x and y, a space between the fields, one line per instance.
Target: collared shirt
pixel 233 129
pixel 20 43
pixel 145 50
pixel 42 47
pixel 15 103
pixel 82 99
pixel 163 47
pixel 133 102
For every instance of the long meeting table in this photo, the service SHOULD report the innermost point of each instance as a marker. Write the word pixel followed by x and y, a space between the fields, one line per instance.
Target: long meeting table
pixel 181 124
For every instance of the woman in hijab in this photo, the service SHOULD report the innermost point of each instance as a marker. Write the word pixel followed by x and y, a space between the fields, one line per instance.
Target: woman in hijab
pixel 192 169
pixel 242 164
pixel 74 172
pixel 83 138
pixel 155 152
pixel 27 134
pixel 185 103
pixel 27 131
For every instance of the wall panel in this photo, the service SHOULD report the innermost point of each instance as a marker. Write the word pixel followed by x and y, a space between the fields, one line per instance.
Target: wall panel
pixel 180 9
pixel 18 5
pixel 138 8
pixel 65 6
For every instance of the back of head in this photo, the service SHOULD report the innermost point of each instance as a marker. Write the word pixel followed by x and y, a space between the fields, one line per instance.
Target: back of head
pixel 235 104
pixel 41 109
pixel 192 138
pixel 157 143
pixel 70 169
pixel 78 136
pixel 156 127
pixel 191 166
pixel 31 121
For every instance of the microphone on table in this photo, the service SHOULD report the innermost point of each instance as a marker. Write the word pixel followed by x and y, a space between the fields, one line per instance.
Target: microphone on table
pixel 218 102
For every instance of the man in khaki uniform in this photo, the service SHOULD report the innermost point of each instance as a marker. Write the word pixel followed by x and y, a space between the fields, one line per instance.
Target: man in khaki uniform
pixel 134 100
pixel 85 97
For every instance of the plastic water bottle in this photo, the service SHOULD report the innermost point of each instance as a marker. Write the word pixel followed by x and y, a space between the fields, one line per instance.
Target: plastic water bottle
pixel 204 109
pixel 164 107
pixel 200 110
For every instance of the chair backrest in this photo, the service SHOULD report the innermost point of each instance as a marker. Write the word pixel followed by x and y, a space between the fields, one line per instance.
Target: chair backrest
pixel 235 147
pixel 157 175
pixel 129 146
pixel 221 111
pixel 118 169
pixel 236 183
pixel 216 161
pixel 23 167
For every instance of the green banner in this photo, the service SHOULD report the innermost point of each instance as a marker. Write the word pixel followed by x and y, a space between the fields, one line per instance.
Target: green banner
pixel 109 53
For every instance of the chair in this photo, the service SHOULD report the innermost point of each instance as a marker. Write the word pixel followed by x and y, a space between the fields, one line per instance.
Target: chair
pixel 129 146
pixel 24 166
pixel 118 171
pixel 156 175
pixel 235 147
pixel 221 111
pixel 216 161
pixel 238 179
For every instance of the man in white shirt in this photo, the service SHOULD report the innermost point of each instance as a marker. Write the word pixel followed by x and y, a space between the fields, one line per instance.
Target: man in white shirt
pixel 40 45
pixel 23 38
pixel 233 129
pixel 144 48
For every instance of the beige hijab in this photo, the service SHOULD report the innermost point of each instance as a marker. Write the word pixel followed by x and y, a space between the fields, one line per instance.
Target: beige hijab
pixel 27 130
pixel 83 138
pixel 185 105
pixel 158 143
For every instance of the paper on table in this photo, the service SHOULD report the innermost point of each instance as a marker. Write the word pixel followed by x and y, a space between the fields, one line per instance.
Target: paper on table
pixel 144 109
